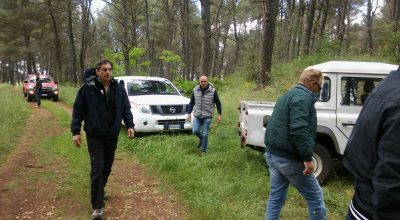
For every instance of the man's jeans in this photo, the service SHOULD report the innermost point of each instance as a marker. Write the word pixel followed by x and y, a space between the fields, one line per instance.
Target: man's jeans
pixel 200 129
pixel 284 171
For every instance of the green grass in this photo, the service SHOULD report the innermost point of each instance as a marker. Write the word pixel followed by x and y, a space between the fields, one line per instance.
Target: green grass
pixel 13 113
pixel 74 184
pixel 67 94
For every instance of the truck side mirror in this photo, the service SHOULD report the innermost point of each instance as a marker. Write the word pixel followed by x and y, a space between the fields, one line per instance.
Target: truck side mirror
pixel 56 82
pixel 266 120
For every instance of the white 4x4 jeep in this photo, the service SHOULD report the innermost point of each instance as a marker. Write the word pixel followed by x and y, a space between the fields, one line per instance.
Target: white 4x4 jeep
pixel 156 104
pixel 345 88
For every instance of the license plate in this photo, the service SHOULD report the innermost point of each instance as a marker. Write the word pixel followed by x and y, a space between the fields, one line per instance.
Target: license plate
pixel 174 127
pixel 44 94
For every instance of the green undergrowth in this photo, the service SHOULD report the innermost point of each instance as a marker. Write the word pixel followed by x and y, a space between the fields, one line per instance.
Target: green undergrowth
pixel 14 111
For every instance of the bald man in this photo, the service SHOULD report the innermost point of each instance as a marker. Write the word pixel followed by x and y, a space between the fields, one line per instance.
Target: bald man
pixel 289 140
pixel 202 102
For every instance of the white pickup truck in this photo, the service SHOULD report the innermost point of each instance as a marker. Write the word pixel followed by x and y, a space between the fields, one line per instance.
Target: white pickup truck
pixel 345 88
pixel 156 104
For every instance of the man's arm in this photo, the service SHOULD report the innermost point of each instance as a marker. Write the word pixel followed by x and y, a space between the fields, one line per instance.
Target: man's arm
pixel 217 102
pixel 386 176
pixel 127 114
pixel 190 107
pixel 77 118
pixel 219 106
pixel 299 109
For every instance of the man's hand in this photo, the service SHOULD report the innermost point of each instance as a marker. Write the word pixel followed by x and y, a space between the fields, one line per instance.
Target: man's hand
pixel 189 117
pixel 308 168
pixel 219 118
pixel 76 139
pixel 131 133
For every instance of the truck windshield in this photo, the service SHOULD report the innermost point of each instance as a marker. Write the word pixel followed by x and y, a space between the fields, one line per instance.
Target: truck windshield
pixel 145 87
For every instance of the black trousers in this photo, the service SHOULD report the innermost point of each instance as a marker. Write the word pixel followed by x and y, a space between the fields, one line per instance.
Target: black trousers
pixel 102 153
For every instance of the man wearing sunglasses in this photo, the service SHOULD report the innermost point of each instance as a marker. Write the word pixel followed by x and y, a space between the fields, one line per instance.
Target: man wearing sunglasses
pixel 289 140
pixel 202 102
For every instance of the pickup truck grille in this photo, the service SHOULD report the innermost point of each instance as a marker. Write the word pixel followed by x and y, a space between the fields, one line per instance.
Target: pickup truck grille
pixel 171 122
pixel 168 109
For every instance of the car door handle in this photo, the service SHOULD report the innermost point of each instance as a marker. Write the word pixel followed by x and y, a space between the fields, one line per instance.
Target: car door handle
pixel 348 124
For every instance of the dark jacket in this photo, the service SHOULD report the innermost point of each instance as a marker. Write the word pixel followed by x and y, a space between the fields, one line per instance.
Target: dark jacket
pixel 38 85
pixel 291 130
pixel 202 102
pixel 102 114
pixel 372 153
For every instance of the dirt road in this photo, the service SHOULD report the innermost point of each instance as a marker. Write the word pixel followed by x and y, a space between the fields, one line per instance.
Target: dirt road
pixel 134 193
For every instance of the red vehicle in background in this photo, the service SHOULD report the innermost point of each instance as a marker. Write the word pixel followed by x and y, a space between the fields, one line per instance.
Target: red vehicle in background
pixel 49 87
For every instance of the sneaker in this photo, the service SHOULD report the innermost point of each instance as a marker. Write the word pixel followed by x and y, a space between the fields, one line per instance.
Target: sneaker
pixel 36 106
pixel 98 213
pixel 203 153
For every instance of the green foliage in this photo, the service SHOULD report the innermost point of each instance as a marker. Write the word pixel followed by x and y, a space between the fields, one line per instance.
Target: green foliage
pixel 13 113
pixel 185 86
pixel 170 57
pixel 117 59
pixel 391 48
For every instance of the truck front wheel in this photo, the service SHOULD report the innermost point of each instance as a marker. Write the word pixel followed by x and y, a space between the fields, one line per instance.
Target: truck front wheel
pixel 323 163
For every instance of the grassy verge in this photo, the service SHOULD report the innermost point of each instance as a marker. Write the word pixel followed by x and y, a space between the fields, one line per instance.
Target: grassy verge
pixel 13 113
pixel 74 183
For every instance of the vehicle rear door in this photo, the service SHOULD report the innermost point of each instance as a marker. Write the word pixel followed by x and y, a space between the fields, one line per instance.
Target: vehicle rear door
pixel 351 94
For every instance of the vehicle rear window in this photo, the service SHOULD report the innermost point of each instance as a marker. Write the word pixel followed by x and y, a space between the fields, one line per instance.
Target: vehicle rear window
pixel 355 90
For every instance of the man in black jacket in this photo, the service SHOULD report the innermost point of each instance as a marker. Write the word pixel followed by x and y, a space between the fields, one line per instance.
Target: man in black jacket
pixel 38 90
pixel 372 154
pixel 102 103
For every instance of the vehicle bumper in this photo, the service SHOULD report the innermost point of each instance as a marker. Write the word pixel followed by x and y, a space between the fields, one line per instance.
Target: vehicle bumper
pixel 156 123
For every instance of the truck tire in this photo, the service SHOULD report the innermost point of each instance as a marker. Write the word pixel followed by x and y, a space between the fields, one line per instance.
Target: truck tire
pixel 323 163
pixel 55 99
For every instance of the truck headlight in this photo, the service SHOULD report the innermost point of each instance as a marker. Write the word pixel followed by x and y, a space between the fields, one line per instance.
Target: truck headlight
pixel 54 88
pixel 144 109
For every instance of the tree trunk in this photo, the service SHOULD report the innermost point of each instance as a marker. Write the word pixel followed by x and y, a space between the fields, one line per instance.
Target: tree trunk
pixel 235 32
pixel 395 15
pixel 57 42
pixel 342 14
pixel 206 38
pixel 325 8
pixel 217 35
pixel 185 37
pixel 72 45
pixel 29 56
pixel 368 47
pixel 300 15
pixel 85 7
pixel 267 43
pixel 310 22
pixel 221 63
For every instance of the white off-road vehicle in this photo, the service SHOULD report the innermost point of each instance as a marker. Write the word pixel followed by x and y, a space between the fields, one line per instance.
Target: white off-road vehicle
pixel 346 86
pixel 156 104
